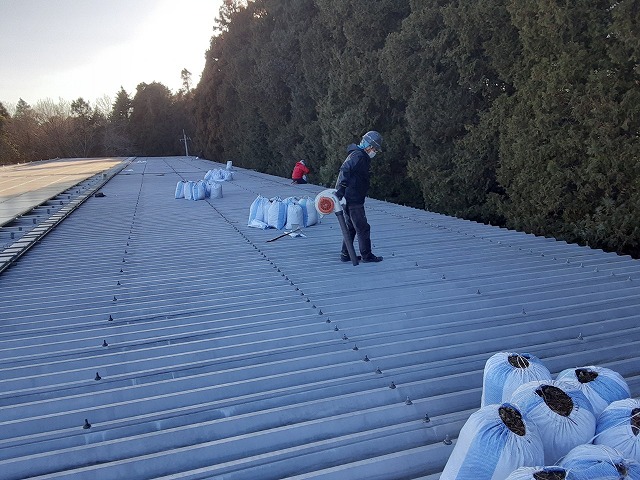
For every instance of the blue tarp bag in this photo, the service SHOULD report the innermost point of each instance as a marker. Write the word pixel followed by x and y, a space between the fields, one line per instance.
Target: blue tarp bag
pixel 539 473
pixel 562 414
pixel 494 441
pixel 600 385
pixel 599 462
pixel 504 372
pixel 618 426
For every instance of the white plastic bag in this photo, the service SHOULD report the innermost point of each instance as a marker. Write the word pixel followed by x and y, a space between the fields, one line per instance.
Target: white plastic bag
pixel 504 372
pixel 494 441
pixel 256 210
pixel 562 414
pixel 200 190
pixel 188 190
pixel 216 190
pixel 294 216
pixel 277 214
pixel 600 385
pixel 618 426
pixel 180 189
pixel 258 224
pixel 309 212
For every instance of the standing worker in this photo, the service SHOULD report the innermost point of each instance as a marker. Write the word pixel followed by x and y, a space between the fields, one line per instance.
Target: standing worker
pixel 300 171
pixel 353 185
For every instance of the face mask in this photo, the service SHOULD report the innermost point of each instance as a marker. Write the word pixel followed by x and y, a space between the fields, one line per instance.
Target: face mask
pixel 371 152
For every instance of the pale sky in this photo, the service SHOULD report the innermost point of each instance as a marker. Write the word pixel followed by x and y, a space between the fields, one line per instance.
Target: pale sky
pixel 90 48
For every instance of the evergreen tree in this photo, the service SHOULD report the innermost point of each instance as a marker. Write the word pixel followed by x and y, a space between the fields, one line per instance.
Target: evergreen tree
pixel 152 123
pixel 8 152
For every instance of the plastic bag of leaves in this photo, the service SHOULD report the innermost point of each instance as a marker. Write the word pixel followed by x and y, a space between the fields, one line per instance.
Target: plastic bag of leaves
pixel 493 442
pixel 540 473
pixel 504 372
pixel 595 462
pixel 562 414
pixel 618 426
pixel 600 385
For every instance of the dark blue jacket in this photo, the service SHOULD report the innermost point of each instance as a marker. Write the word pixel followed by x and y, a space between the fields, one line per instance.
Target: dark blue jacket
pixel 354 175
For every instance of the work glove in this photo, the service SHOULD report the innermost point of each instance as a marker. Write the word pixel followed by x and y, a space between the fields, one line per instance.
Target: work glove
pixel 340 193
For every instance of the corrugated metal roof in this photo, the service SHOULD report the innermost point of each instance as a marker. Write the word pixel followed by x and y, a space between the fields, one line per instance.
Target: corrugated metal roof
pixel 195 349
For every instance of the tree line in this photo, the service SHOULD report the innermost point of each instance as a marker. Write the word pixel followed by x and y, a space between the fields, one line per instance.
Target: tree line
pixel 522 114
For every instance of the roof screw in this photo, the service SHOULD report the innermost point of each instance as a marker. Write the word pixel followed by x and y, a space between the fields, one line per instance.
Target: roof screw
pixel 613 274
pixel 125 252
pixel 115 299
pixel 408 401
pixel 121 270
pixel 443 277
pixel 393 254
pixel 308 299
pixel 319 312
pixel 297 289
pixel 581 265
pixel 580 337
pixel 355 347
pixel 426 418
pixel 110 318
pixel 478 292
pixel 416 264
pixel 378 371
pixel 328 320
pixel 118 283
pixel 344 336
pixel 629 279
pixel 98 377
pixel 596 269
pixel 567 261
pixel 447 440
pixel 86 425
pixel 524 312
pixel 366 358
pixel 336 328
pixel 123 260
pixel 392 385
pixel 104 343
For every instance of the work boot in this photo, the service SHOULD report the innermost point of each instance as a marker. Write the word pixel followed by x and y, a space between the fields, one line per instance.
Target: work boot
pixel 371 258
pixel 347 258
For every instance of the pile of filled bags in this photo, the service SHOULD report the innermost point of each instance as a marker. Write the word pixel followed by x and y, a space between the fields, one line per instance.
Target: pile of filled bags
pixel 282 214
pixel 210 187
pixel 581 426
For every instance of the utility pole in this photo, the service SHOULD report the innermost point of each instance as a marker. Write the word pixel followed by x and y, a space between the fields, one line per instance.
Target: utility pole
pixel 185 139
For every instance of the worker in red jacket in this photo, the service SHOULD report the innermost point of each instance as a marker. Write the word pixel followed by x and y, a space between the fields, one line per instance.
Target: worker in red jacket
pixel 300 171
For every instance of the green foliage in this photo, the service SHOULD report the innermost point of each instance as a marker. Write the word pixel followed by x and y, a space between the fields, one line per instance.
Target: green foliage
pixel 152 125
pixel 516 113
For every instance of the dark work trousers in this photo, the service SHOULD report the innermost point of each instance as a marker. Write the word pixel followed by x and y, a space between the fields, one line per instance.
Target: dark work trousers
pixel 357 225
